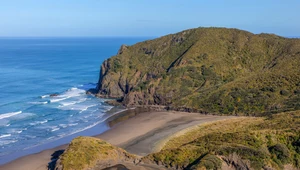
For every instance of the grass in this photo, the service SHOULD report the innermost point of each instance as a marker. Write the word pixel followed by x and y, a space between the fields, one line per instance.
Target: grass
pixel 249 142
pixel 243 142
pixel 85 152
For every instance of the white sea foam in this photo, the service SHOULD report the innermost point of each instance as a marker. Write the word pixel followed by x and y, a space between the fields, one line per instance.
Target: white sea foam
pixel 94 124
pixel 15 130
pixel 80 107
pixel 63 125
pixel 45 121
pixel 19 131
pixel 88 127
pixel 7 115
pixel 44 96
pixel 63 104
pixel 58 99
pixel 38 122
pixel 7 142
pixel 52 137
pixel 30 137
pixel 66 104
pixel 84 109
pixel 94 110
pixel 55 129
pixel 73 92
pixel 4 136
pixel 73 124
pixel 38 102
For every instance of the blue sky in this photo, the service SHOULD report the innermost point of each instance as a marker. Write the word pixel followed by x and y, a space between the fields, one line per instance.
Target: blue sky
pixel 145 17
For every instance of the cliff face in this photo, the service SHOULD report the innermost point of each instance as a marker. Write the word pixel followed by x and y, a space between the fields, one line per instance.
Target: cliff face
pixel 218 70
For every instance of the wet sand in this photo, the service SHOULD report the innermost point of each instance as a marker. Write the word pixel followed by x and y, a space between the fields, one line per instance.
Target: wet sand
pixel 140 134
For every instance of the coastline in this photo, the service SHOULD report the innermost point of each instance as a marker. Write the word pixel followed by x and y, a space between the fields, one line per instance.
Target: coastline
pixel 139 131
pixel 57 143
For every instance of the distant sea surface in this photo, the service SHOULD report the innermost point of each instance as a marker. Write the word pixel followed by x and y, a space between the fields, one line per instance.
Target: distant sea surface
pixel 33 68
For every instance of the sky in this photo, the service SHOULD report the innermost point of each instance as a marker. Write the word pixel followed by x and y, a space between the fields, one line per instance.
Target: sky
pixel 93 18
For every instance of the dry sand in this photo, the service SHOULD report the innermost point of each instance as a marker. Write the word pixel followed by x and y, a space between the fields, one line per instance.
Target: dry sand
pixel 142 134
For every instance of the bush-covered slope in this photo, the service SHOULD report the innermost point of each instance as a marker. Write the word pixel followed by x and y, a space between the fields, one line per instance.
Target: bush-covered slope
pixel 226 71
pixel 244 143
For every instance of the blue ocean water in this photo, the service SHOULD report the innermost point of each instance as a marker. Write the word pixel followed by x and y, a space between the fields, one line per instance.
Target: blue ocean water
pixel 33 68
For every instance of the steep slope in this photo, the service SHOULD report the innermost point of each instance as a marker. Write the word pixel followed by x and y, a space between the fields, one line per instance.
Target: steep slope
pixel 216 70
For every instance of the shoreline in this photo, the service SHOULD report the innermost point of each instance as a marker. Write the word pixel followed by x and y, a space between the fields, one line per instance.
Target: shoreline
pixel 99 128
pixel 65 140
pixel 139 131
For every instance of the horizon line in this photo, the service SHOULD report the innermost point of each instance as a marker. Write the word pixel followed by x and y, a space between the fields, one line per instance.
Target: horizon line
pixel 78 36
pixel 33 37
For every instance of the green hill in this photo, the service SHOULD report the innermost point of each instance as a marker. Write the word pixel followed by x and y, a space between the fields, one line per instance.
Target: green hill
pixel 243 143
pixel 210 70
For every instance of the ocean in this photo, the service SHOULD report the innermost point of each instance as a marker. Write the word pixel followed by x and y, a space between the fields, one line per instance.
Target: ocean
pixel 31 69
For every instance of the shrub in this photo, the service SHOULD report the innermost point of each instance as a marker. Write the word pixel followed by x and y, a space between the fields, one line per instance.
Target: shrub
pixel 116 65
pixel 255 156
pixel 284 92
pixel 209 162
pixel 281 152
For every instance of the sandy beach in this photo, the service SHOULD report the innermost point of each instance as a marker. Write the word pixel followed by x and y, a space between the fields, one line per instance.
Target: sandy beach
pixel 139 134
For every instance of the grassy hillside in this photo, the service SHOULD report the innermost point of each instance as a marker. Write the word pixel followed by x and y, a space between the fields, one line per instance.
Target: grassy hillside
pixel 216 70
pixel 88 153
pixel 252 143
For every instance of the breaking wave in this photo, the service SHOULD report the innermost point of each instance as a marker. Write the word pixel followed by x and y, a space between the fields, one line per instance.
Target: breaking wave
pixel 7 115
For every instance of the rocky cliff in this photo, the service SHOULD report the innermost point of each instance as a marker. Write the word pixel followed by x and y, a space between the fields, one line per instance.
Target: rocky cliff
pixel 216 70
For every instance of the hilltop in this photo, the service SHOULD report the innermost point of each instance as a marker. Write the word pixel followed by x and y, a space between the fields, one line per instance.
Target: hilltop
pixel 207 70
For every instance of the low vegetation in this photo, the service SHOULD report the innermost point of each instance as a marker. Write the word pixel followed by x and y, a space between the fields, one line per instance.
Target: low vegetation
pixel 254 143
pixel 87 152
pixel 239 143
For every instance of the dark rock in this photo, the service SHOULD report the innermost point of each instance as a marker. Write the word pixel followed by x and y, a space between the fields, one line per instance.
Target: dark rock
pixel 147 51
pixel 114 102
pixel 92 91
